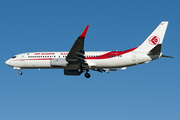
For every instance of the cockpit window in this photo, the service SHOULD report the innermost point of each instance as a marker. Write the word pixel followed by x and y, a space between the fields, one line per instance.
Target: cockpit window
pixel 14 57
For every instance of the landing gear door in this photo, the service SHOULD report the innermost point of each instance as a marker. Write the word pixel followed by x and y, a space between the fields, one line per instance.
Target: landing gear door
pixel 133 56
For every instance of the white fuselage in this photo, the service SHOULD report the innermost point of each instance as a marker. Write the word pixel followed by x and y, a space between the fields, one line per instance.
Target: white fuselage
pixel 107 59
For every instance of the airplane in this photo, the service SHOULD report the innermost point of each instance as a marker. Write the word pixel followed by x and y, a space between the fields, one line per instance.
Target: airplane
pixel 77 61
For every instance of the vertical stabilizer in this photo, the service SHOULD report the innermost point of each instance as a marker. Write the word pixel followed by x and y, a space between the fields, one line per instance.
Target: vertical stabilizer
pixel 154 41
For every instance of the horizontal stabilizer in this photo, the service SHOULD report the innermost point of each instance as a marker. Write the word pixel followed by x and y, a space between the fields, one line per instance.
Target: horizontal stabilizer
pixel 105 69
pixel 167 56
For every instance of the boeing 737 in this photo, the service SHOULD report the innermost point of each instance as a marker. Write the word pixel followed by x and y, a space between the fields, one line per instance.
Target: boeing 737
pixel 77 61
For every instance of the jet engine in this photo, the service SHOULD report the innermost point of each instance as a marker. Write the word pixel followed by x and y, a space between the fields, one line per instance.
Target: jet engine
pixel 58 62
pixel 71 72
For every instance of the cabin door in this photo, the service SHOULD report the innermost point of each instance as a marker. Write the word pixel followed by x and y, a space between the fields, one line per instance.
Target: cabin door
pixel 133 56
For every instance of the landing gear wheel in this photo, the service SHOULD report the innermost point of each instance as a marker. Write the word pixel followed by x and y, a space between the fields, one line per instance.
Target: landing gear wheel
pixel 80 70
pixel 87 75
pixel 20 73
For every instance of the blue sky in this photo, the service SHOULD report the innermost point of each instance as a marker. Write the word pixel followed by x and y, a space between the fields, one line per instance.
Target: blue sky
pixel 145 92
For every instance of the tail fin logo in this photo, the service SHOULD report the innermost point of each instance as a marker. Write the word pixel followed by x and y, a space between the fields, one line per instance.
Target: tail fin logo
pixel 154 40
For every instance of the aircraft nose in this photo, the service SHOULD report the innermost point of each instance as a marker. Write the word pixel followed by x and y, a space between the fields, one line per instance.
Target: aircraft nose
pixel 7 62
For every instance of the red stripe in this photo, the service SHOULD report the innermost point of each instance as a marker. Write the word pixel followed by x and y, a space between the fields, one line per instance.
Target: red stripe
pixel 110 54
pixel 103 56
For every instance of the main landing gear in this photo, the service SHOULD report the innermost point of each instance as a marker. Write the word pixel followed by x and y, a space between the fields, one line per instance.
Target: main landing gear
pixel 87 75
pixel 80 70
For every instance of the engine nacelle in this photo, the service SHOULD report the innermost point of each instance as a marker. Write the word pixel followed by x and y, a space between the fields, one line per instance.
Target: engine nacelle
pixel 58 62
pixel 71 72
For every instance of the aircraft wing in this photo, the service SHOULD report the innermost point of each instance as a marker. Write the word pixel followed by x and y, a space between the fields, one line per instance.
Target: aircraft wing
pixel 76 55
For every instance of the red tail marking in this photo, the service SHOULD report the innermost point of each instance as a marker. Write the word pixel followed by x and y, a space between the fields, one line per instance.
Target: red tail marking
pixel 84 32
pixel 154 40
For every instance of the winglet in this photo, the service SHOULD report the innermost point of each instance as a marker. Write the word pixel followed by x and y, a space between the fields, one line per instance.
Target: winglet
pixel 84 32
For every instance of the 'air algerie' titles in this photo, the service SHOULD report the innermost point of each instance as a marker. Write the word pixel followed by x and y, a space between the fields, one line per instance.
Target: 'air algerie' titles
pixel 64 53
pixel 49 53
pixel 44 53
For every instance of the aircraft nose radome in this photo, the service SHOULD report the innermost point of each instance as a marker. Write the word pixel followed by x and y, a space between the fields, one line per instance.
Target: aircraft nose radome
pixel 7 62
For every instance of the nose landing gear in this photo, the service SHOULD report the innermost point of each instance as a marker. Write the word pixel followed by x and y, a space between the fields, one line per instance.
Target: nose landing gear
pixel 20 72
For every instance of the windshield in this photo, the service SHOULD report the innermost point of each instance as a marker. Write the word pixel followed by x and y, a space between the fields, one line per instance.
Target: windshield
pixel 14 57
